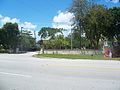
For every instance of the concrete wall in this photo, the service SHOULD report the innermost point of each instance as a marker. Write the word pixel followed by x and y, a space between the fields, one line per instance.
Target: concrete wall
pixel 89 52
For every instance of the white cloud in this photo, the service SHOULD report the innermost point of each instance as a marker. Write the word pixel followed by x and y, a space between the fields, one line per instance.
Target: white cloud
pixel 64 17
pixel 5 19
pixel 114 1
pixel 28 25
pixel 8 19
pixel 63 20
pixel 64 26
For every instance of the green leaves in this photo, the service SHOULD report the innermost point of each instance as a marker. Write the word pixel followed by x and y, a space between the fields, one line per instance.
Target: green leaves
pixel 9 35
pixel 59 42
pixel 96 21
pixel 114 29
pixel 47 32
pixel 27 42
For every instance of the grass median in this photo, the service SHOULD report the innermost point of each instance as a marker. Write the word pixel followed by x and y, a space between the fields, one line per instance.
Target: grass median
pixel 75 56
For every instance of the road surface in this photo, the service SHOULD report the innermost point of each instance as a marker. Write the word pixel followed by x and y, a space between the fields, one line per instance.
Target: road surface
pixel 24 72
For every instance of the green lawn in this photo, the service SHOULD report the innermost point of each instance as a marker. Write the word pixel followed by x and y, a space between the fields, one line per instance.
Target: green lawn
pixel 75 56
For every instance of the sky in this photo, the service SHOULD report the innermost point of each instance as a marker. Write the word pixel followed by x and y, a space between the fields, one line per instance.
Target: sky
pixel 38 12
pixel 35 14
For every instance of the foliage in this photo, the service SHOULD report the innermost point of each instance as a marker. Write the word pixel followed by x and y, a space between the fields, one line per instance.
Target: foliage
pixel 95 21
pixel 9 35
pixel 80 8
pixel 47 32
pixel 113 30
pixel 95 24
pixel 11 38
pixel 60 42
pixel 27 42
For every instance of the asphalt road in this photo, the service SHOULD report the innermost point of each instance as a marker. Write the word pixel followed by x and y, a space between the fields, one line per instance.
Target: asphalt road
pixel 24 72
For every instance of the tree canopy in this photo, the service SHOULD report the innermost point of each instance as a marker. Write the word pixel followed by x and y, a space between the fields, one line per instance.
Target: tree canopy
pixel 11 38
pixel 47 32
pixel 9 35
pixel 95 21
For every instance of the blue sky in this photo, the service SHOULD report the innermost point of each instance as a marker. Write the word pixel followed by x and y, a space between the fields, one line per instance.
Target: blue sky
pixel 39 13
pixel 109 3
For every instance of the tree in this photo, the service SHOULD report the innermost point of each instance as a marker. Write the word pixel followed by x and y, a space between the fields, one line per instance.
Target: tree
pixel 10 35
pixel 113 30
pixel 96 21
pixel 80 8
pixel 2 36
pixel 47 32
pixel 95 24
pixel 27 42
pixel 60 42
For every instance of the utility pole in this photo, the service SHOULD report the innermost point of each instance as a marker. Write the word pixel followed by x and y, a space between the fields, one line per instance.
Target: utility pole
pixel 21 39
pixel 80 28
pixel 21 29
pixel 35 35
pixel 71 40
pixel 80 36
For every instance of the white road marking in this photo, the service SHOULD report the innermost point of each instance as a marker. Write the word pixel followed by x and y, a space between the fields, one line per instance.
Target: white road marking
pixel 15 74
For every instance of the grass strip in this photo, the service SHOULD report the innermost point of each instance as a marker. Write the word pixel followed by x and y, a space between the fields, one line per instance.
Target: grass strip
pixel 75 56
